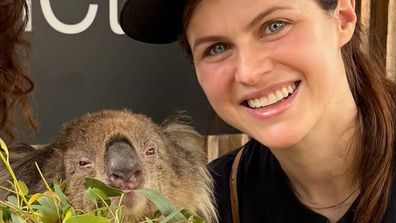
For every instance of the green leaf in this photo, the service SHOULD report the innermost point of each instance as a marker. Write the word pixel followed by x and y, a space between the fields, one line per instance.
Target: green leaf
pixel 16 219
pixel 46 214
pixel 4 147
pixel 34 198
pixel 118 213
pixel 24 188
pixel 191 215
pixel 96 195
pixel 5 214
pixel 171 218
pixel 59 191
pixel 109 191
pixel 87 218
pixel 67 213
pixel 13 200
pixel 162 203
pixel 47 209
pixel 47 201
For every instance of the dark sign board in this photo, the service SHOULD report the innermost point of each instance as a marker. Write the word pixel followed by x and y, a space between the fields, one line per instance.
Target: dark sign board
pixel 82 62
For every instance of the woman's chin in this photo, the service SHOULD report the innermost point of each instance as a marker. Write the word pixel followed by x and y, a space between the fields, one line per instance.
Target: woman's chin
pixel 279 141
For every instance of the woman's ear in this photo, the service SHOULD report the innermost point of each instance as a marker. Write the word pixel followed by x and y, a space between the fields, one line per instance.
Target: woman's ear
pixel 347 18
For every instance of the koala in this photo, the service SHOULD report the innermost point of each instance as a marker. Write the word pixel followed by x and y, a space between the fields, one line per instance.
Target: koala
pixel 127 151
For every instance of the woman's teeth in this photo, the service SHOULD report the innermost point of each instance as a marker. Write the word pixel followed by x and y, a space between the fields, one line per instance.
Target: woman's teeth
pixel 273 97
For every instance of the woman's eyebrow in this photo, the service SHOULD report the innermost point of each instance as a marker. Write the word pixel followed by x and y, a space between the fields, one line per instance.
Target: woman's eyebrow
pixel 264 14
pixel 206 39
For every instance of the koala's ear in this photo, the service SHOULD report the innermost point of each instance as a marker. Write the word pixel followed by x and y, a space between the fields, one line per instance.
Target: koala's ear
pixel 23 158
pixel 178 129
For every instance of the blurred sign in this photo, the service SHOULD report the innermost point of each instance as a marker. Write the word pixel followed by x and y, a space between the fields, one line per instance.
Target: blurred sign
pixel 81 62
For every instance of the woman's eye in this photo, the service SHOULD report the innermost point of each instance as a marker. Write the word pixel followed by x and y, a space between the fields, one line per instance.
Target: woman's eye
pixel 216 49
pixel 274 27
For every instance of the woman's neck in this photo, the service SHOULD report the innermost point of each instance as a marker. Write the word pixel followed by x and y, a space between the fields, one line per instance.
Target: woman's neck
pixel 320 166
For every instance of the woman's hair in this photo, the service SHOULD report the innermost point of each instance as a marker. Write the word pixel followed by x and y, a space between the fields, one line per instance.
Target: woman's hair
pixel 375 97
pixel 15 84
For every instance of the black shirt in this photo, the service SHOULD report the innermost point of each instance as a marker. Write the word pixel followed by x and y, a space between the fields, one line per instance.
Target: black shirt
pixel 264 193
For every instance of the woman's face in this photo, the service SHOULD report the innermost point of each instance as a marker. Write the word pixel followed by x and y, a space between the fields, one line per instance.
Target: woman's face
pixel 272 68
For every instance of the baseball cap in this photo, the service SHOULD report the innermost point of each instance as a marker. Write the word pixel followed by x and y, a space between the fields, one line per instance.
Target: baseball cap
pixel 152 21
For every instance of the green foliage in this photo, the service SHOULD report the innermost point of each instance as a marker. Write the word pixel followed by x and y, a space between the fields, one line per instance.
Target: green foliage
pixel 52 206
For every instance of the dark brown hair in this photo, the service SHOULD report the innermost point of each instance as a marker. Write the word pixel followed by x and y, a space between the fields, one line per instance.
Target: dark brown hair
pixel 375 97
pixel 15 84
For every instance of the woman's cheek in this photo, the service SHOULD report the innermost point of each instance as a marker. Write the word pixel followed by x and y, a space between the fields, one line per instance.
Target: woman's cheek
pixel 215 79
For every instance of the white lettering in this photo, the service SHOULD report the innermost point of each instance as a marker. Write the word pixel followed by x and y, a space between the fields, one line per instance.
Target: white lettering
pixel 67 28
pixel 28 27
pixel 113 17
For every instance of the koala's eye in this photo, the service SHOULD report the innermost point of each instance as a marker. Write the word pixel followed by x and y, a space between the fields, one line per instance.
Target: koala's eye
pixel 85 163
pixel 149 152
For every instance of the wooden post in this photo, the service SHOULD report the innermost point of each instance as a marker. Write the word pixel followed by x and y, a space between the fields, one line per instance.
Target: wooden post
pixel 218 145
pixel 364 8
pixel 391 42
pixel 379 25
pixel 213 150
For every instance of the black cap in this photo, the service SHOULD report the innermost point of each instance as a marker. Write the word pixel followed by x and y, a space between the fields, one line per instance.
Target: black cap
pixel 153 21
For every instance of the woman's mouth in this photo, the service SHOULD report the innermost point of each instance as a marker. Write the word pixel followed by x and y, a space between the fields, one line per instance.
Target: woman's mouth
pixel 273 98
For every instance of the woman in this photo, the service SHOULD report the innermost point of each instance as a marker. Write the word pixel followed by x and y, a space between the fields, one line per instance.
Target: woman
pixel 14 82
pixel 293 75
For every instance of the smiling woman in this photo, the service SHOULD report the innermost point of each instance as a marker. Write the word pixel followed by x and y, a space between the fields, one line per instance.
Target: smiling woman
pixel 14 82
pixel 295 77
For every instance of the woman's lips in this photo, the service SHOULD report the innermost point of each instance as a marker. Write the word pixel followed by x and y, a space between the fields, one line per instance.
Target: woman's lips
pixel 273 103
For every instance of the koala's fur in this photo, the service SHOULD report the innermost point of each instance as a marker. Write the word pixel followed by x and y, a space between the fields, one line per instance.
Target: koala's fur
pixel 177 170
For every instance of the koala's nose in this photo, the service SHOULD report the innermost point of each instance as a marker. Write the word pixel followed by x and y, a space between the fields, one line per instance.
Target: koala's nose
pixel 123 166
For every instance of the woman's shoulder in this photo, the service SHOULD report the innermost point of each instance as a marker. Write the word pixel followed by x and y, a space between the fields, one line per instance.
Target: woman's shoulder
pixel 223 164
pixel 255 164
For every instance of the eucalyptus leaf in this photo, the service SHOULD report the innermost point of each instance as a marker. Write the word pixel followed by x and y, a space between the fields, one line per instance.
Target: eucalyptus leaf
pixel 67 213
pixel 16 219
pixel 47 209
pixel 191 215
pixel 24 188
pixel 171 218
pixel 13 200
pixel 34 198
pixel 109 191
pixel 59 191
pixel 96 195
pixel 46 214
pixel 87 218
pixel 47 201
pixel 4 147
pixel 162 203
pixel 5 214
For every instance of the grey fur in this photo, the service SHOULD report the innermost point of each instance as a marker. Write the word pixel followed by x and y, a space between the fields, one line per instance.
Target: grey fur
pixel 178 168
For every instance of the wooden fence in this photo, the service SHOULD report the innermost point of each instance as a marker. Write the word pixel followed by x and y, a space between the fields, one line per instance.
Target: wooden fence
pixel 379 18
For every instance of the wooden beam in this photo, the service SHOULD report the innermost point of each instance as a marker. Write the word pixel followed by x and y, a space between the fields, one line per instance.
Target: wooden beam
pixel 391 42
pixel 379 26
pixel 363 9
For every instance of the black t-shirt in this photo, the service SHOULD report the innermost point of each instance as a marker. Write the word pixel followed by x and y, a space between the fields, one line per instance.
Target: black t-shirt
pixel 264 193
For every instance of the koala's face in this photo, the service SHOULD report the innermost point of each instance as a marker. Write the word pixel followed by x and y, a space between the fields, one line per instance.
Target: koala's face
pixel 124 151
pixel 127 151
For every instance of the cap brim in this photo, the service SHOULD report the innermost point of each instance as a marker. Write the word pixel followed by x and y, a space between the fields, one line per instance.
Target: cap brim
pixel 152 21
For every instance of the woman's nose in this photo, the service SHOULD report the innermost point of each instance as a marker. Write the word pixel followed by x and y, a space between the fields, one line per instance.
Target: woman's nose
pixel 252 64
